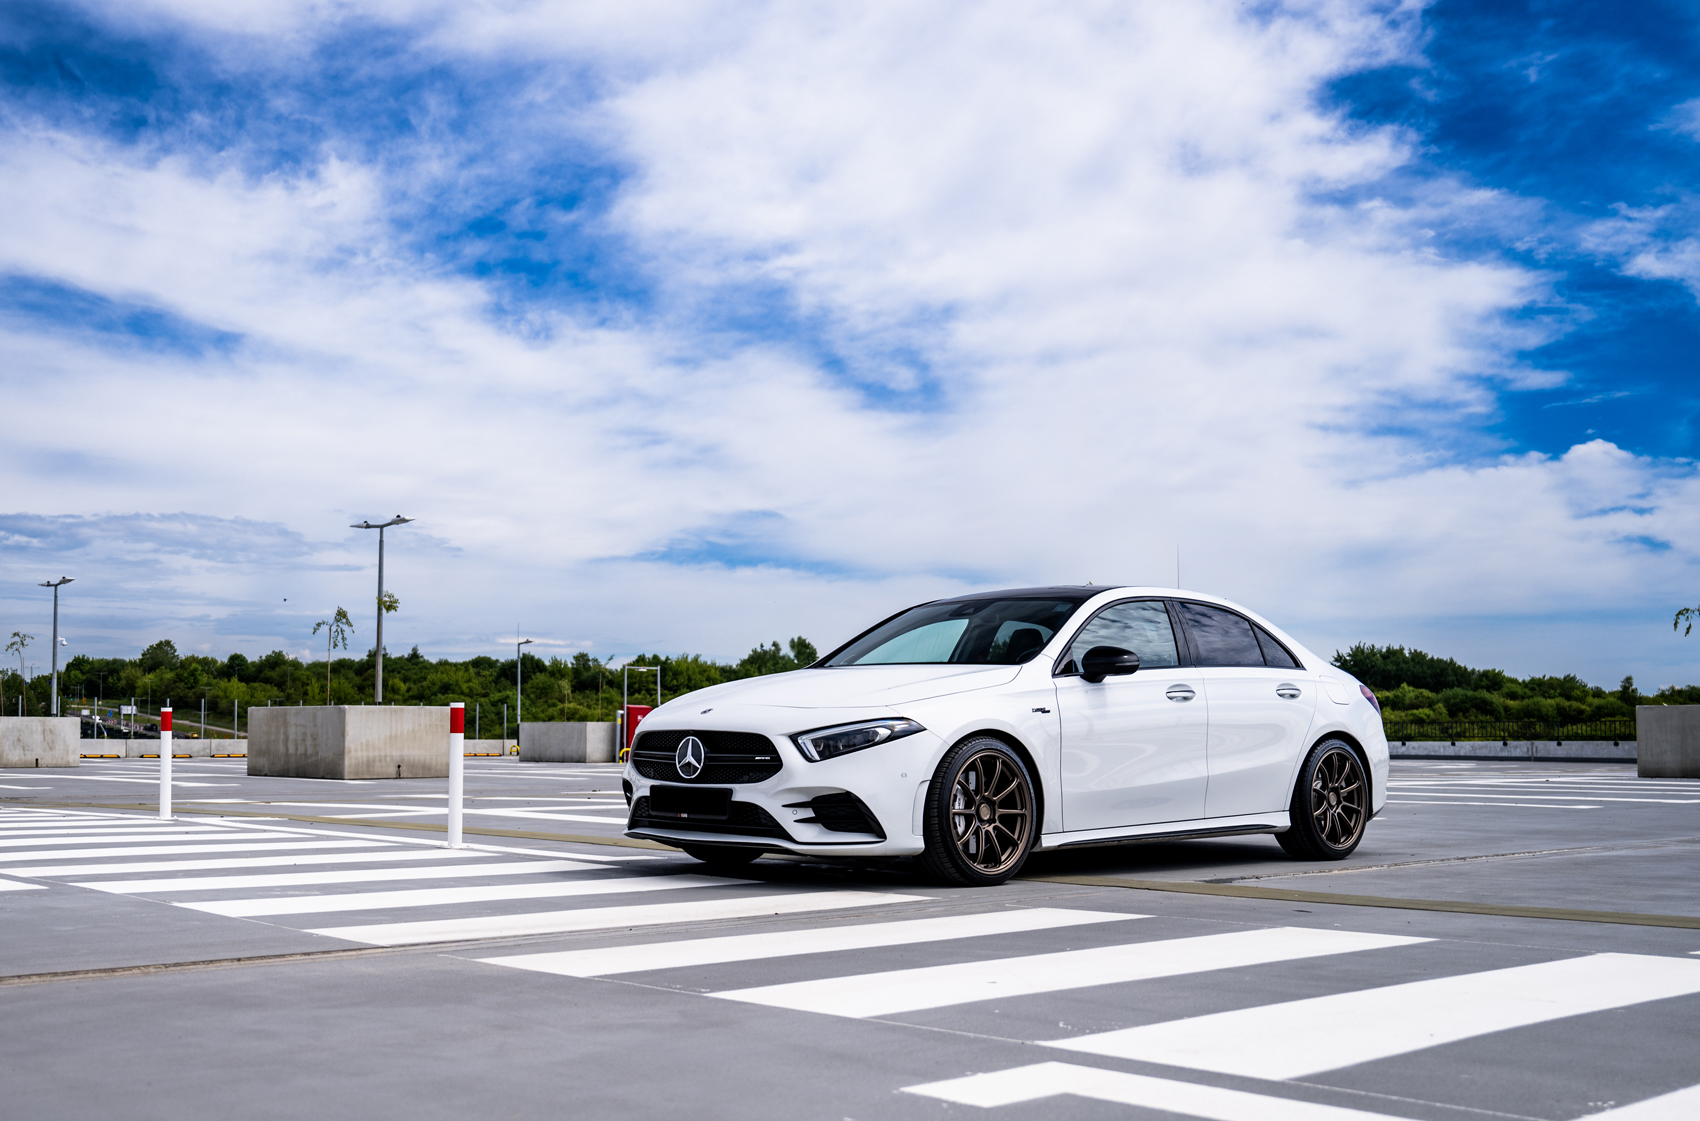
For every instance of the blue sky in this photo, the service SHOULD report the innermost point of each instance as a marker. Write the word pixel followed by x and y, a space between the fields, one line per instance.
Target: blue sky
pixel 689 326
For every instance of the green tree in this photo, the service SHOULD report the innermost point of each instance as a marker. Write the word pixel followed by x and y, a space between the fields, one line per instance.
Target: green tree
pixel 337 629
pixel 161 655
pixel 1690 615
pixel 19 642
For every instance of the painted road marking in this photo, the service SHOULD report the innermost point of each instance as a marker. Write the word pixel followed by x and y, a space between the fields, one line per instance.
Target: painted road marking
pixel 600 918
pixel 611 960
pixel 50 871
pixel 14 885
pixel 348 876
pixel 1048 1080
pixel 441 896
pixel 197 834
pixel 287 841
pixel 910 990
pixel 1279 1040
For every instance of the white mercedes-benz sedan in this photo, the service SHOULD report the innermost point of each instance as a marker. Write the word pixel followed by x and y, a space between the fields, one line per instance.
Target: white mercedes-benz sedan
pixel 967 732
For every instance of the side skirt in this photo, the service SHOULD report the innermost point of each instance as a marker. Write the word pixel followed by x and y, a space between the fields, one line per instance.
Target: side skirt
pixel 1169 831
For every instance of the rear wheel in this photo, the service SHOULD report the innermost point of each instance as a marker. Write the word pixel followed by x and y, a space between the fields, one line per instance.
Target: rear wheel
pixel 979 822
pixel 723 856
pixel 1330 804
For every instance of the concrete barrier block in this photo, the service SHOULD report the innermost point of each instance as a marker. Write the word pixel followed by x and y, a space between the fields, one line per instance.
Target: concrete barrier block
pixel 1670 741
pixel 181 748
pixel 40 741
pixel 349 742
pixel 566 742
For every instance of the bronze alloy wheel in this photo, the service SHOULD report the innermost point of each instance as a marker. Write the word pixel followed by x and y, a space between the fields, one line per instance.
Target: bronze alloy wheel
pixel 1331 805
pixel 986 820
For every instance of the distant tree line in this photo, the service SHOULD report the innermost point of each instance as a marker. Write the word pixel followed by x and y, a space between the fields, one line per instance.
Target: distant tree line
pixel 578 688
pixel 1419 687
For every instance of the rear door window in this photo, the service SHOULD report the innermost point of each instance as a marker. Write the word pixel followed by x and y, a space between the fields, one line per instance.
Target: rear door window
pixel 1220 637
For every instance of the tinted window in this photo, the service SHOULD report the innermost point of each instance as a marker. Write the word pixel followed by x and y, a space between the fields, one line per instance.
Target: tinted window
pixel 1274 654
pixel 1221 637
pixel 977 632
pixel 1141 626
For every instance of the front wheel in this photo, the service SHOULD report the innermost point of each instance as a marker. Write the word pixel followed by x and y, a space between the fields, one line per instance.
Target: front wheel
pixel 1330 804
pixel 979 823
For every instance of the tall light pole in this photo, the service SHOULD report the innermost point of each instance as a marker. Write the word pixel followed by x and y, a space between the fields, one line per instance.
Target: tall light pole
pixel 55 585
pixel 378 685
pixel 519 700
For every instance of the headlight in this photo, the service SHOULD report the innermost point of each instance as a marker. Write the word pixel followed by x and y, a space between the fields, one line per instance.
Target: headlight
pixel 824 743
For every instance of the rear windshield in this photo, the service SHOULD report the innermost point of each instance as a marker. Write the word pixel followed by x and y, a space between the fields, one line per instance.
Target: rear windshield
pixel 969 632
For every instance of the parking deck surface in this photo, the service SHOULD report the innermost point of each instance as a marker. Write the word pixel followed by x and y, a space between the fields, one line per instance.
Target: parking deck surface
pixel 1511 940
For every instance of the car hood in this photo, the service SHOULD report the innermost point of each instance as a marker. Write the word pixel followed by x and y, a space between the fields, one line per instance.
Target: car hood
pixel 847 687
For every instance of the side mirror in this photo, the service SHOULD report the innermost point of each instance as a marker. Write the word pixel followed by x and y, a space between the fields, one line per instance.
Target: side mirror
pixel 1107 661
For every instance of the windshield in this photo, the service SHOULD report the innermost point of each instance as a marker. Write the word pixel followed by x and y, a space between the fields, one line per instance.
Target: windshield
pixel 971 632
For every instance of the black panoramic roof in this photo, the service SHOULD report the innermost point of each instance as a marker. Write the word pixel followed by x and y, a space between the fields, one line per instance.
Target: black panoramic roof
pixel 1077 592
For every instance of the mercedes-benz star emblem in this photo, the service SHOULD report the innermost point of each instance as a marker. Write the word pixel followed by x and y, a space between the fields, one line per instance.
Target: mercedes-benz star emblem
pixel 690 757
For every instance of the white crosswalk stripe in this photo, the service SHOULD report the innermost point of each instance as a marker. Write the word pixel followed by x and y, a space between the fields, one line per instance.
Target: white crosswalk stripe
pixel 448 896
pixel 910 990
pixel 602 918
pixel 131 868
pixel 1048 1080
pixel 613 960
pixel 169 885
pixel 186 841
pixel 1278 1040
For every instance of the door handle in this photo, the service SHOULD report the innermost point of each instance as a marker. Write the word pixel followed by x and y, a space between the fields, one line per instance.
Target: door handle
pixel 1288 691
pixel 1180 693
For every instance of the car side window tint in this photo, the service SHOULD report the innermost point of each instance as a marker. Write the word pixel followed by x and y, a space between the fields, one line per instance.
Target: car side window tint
pixel 1141 626
pixel 1274 654
pixel 1221 637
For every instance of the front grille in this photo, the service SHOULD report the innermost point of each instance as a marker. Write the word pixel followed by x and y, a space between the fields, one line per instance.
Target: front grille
pixel 842 812
pixel 733 758
pixel 743 818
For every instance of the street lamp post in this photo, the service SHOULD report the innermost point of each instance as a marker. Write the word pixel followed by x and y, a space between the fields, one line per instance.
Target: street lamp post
pixel 378 685
pixel 55 585
pixel 519 700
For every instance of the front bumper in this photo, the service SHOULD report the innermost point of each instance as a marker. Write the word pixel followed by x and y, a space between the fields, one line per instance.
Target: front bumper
pixel 819 809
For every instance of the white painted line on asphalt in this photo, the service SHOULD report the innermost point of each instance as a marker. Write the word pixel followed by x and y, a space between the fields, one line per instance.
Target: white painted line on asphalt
pixel 910 990
pixel 602 918
pixel 13 885
pixel 187 833
pixel 350 876
pixel 1678 1105
pixel 1279 1040
pixel 147 781
pixel 610 960
pixel 285 841
pixel 51 871
pixel 442 896
pixel 1049 1080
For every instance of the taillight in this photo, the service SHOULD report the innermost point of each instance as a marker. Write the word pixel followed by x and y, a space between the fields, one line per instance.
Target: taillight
pixel 1369 695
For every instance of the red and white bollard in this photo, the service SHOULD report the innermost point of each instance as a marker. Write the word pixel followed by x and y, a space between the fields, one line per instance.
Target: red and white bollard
pixel 457 769
pixel 165 764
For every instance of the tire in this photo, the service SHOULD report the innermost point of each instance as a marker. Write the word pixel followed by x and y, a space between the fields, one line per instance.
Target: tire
pixel 722 856
pixel 1330 804
pixel 979 822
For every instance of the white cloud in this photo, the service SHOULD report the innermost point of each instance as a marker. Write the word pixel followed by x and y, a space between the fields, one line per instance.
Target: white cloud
pixel 1089 294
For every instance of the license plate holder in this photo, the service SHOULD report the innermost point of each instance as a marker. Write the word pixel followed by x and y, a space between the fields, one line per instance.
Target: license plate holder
pixel 690 803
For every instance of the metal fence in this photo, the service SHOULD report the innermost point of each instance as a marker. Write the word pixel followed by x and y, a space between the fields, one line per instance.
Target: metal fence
pixel 1505 731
